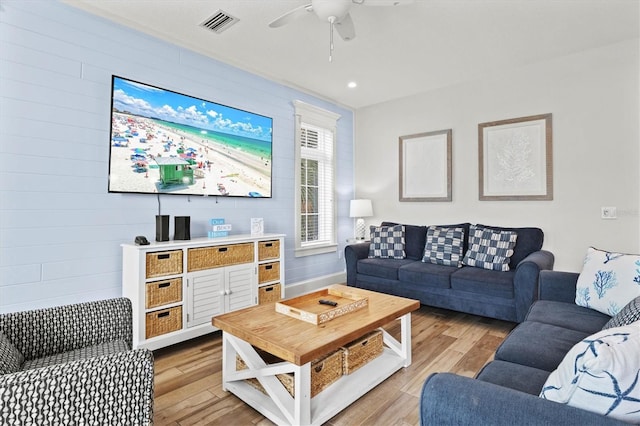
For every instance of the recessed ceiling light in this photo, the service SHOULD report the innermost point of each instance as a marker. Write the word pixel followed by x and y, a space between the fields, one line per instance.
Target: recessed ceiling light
pixel 352 85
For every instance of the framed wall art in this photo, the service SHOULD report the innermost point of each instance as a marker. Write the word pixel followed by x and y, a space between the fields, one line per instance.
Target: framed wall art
pixel 515 159
pixel 425 166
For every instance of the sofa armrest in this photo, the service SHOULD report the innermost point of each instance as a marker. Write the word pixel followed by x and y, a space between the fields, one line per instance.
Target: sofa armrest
pixel 353 253
pixel 558 286
pixel 115 389
pixel 449 399
pixel 525 281
pixel 44 332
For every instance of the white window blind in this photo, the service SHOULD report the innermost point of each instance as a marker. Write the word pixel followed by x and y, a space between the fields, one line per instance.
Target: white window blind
pixel 315 180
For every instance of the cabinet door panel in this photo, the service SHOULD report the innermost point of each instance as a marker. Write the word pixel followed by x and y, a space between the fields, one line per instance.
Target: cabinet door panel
pixel 206 297
pixel 241 286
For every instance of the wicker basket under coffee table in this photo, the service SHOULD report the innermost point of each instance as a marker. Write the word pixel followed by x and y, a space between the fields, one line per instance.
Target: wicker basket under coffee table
pixel 298 343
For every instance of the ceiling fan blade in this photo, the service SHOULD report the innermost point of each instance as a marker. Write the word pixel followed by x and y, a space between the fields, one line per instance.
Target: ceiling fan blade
pixel 345 28
pixel 291 16
pixel 383 2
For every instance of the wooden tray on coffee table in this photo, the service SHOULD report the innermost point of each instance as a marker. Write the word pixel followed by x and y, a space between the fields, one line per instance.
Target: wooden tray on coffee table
pixel 307 307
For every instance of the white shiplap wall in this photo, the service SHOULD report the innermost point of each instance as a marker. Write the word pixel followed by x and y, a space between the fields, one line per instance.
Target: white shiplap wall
pixel 60 231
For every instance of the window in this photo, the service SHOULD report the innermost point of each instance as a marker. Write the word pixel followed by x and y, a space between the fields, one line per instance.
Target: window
pixel 315 180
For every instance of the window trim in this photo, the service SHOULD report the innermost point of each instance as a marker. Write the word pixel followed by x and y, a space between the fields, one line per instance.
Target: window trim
pixel 322 118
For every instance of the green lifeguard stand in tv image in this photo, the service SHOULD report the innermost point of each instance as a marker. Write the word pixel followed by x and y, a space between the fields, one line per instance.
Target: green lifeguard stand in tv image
pixel 174 171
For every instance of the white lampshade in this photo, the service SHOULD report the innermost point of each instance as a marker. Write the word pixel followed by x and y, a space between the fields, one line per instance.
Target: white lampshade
pixel 360 208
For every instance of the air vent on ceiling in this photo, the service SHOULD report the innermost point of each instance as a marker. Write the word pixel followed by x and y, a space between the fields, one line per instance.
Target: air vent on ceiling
pixel 219 22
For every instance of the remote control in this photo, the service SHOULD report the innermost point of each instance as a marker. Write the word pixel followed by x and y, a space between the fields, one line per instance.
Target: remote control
pixel 327 302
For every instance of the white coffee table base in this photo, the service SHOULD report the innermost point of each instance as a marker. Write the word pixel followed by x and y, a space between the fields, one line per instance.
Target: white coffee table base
pixel 283 409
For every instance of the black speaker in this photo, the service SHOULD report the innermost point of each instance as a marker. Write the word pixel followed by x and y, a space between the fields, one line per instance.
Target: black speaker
pixel 182 228
pixel 162 228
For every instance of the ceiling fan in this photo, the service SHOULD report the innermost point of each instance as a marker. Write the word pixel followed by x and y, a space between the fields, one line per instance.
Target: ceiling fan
pixel 336 13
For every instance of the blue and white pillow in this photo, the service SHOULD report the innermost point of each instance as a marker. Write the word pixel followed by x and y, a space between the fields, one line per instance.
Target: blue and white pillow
pixel 387 242
pixel 444 246
pixel 489 248
pixel 601 374
pixel 608 281
pixel 628 314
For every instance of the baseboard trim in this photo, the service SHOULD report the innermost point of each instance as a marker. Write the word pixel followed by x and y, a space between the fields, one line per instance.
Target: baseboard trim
pixel 304 287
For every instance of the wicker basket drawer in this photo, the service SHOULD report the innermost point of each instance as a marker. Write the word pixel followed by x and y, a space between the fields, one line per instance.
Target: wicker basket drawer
pixel 268 250
pixel 269 293
pixel 361 351
pixel 160 293
pixel 324 372
pixel 162 263
pixel 217 256
pixel 268 272
pixel 163 321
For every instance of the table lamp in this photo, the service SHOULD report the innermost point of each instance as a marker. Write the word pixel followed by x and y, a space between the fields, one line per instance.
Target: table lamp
pixel 360 209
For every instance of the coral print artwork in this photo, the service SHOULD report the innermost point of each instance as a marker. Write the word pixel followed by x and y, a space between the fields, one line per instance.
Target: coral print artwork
pixel 515 159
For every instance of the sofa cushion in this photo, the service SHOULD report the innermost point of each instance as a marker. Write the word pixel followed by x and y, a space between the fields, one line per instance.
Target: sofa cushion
pixel 382 268
pixel 387 242
pixel 444 246
pixel 628 314
pixel 514 376
pixel 414 239
pixel 483 281
pixel 538 345
pixel 10 357
pixel 427 274
pixel 529 240
pixel 608 281
pixel 78 354
pixel 490 249
pixel 601 374
pixel 567 315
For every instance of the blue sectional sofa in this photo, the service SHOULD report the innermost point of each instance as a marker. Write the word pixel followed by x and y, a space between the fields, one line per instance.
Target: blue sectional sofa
pixel 496 294
pixel 505 392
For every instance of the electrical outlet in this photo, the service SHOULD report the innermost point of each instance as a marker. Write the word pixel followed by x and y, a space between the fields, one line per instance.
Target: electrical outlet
pixel 609 213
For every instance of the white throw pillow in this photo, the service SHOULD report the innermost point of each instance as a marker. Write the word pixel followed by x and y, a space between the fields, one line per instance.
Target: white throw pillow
pixel 601 374
pixel 608 281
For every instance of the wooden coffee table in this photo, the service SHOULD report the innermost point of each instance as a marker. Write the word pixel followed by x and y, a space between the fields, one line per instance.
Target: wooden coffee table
pixel 298 343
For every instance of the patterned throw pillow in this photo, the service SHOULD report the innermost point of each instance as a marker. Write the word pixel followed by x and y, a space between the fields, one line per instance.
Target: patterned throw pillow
pixel 628 314
pixel 601 374
pixel 608 281
pixel 10 358
pixel 490 249
pixel 444 246
pixel 387 242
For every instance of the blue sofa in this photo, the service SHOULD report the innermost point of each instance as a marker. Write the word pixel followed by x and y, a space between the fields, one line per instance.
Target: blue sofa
pixel 496 294
pixel 505 392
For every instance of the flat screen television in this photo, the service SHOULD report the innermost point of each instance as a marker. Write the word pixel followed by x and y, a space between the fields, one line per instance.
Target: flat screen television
pixel 170 143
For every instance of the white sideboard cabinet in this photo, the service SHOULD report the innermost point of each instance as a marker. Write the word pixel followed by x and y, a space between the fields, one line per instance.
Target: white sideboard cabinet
pixel 176 287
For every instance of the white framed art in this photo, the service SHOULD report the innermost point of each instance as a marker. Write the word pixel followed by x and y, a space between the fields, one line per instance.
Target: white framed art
pixel 425 166
pixel 515 159
pixel 257 226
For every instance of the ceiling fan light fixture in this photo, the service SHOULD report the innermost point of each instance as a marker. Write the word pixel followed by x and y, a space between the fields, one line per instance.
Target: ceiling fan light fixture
pixel 325 9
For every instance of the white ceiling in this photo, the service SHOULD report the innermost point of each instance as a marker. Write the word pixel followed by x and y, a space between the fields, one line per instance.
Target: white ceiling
pixel 398 51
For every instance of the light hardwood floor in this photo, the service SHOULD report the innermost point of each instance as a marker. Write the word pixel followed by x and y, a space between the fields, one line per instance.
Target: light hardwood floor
pixel 188 375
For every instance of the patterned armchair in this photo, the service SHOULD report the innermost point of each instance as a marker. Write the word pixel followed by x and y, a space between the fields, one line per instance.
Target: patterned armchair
pixel 74 365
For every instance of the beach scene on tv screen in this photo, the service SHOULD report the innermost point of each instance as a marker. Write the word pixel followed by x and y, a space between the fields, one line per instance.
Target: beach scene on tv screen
pixel 167 142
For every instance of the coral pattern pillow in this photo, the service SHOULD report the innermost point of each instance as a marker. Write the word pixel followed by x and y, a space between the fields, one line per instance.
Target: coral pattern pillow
pixel 601 374
pixel 608 281
pixel 444 246
pixel 489 248
pixel 387 242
